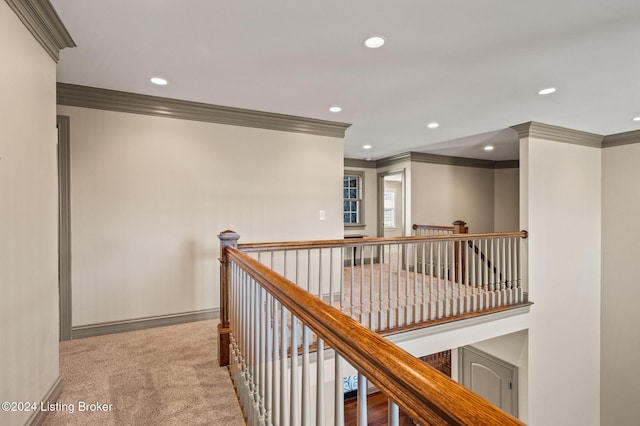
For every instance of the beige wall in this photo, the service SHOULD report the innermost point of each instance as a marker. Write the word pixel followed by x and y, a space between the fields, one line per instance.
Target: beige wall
pixel 441 194
pixel 150 194
pixel 28 213
pixel 561 195
pixel 506 201
pixel 620 343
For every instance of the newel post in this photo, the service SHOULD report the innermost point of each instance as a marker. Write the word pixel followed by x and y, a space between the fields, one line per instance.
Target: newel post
pixel 227 239
pixel 459 227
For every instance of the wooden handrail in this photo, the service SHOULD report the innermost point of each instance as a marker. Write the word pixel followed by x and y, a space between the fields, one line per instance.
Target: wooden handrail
pixel 317 244
pixel 427 396
pixel 434 227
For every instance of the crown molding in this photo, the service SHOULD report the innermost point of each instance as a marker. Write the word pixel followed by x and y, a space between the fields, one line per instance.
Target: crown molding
pixel 626 138
pixel 507 164
pixel 363 164
pixel 393 160
pixel 112 100
pixel 522 129
pixel 537 130
pixel 45 25
pixel 420 157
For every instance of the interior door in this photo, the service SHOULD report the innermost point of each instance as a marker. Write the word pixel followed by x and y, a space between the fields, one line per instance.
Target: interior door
pixel 491 378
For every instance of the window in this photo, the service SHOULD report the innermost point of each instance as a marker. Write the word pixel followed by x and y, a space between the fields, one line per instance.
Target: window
pixel 389 209
pixel 353 194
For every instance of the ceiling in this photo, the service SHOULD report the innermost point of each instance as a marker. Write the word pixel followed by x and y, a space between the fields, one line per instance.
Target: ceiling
pixel 474 67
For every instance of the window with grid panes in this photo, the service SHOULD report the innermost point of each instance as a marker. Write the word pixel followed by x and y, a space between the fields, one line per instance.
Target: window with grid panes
pixel 352 193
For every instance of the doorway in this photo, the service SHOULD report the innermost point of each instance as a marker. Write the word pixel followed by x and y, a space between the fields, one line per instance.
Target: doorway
pixel 391 204
pixel 491 378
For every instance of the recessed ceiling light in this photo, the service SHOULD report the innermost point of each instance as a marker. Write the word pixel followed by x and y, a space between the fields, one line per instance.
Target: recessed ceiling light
pixel 159 81
pixel 366 146
pixel 368 159
pixel 636 118
pixel 488 148
pixel 374 42
pixel 335 108
pixel 433 125
pixel 547 91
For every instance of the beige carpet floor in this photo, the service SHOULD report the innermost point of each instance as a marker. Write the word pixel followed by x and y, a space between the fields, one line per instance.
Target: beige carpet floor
pixel 158 376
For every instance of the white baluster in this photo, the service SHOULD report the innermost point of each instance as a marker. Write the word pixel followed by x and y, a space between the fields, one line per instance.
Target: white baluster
pixel 268 347
pixel 320 405
pixel 510 271
pixel 362 289
pixel 439 281
pixel 416 305
pixel 394 414
pixel 284 346
pixel 305 404
pixel 467 275
pixel 384 319
pixel 448 265
pixel 362 400
pixel 424 282
pixel 294 410
pixel 390 290
pixel 407 284
pixel 338 412
pixel 352 270
pixel 517 269
pixel 373 323
pixel 342 280
pixel 432 292
pixel 275 369
pixel 309 270
pixel 491 264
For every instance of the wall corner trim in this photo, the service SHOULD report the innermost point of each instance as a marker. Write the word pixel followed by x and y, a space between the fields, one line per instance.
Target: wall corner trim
pixel 52 396
pixel 43 22
pixel 534 129
pixel 103 328
pixel 625 138
pixel 113 100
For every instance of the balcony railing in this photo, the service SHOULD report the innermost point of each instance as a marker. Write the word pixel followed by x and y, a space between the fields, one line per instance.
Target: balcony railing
pixel 297 315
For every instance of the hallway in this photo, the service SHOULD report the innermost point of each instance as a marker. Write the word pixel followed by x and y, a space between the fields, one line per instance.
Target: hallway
pixel 158 376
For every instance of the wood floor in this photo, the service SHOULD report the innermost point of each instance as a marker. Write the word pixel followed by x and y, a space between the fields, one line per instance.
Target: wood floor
pixel 377 412
pixel 377 403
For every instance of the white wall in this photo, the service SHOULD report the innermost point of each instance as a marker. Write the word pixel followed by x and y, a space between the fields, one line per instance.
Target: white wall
pixel 506 200
pixel 620 344
pixel 564 224
pixel 441 194
pixel 28 219
pixel 150 194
